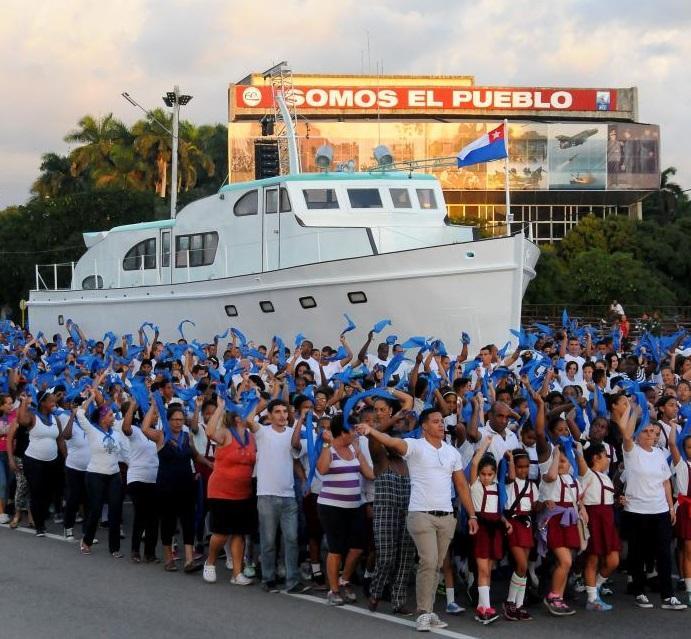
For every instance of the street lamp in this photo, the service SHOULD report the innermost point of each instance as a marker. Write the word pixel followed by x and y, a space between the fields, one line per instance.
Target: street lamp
pixel 174 100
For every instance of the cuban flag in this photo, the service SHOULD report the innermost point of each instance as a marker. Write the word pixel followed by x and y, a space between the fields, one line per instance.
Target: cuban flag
pixel 491 146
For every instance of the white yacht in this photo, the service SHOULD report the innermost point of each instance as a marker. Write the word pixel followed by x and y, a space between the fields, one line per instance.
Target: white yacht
pixel 292 254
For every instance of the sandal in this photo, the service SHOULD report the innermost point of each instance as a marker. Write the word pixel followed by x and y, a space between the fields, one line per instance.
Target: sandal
pixel 192 566
pixel 84 549
pixel 136 558
pixel 15 522
pixel 170 566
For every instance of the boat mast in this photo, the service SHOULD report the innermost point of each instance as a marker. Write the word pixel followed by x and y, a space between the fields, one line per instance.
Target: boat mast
pixel 285 117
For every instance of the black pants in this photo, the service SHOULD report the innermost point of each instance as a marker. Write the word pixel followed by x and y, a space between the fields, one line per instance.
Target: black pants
pixel 177 505
pixel 649 533
pixel 59 485
pixel 75 489
pixel 41 477
pixel 102 489
pixel 145 517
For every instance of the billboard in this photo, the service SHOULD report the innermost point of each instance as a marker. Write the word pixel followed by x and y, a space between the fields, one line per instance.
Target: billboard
pixel 422 99
pixel 577 156
pixel 527 159
pixel 633 156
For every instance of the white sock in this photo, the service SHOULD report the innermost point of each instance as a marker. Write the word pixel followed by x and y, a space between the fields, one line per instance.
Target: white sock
pixel 687 582
pixel 450 595
pixel 483 597
pixel 369 574
pixel 592 593
pixel 520 595
pixel 316 568
pixel 514 585
pixel 600 580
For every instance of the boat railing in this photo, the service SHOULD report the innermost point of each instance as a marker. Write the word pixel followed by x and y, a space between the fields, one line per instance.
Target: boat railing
pixel 54 277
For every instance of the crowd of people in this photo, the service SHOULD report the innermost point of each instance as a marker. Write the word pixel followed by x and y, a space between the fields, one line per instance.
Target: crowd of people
pixel 557 459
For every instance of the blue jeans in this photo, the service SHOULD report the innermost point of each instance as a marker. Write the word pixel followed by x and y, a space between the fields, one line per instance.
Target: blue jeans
pixel 272 512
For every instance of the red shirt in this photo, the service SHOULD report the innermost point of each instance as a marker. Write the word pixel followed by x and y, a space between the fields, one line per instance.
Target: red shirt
pixel 232 474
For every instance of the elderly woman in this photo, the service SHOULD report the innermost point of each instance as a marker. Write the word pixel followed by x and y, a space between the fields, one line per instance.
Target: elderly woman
pixel 232 503
pixel 103 481
pixel 341 465
pixel 40 458
pixel 175 485
pixel 648 510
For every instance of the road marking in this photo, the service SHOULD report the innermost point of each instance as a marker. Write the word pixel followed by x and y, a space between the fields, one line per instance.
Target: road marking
pixel 32 531
pixel 378 615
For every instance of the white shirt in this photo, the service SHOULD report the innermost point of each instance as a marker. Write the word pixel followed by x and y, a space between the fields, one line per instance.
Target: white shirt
pixel 104 450
pixel 592 487
pixel 366 485
pixel 499 444
pixel 477 493
pixel 274 462
pixel 646 473
pixel 681 476
pixel 579 360
pixel 430 472
pixel 43 440
pixel 78 449
pixel 143 464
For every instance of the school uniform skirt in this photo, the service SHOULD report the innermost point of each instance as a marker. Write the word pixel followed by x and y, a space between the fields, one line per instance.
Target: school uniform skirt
pixel 521 535
pixel 488 543
pixel 604 537
pixel 682 528
pixel 559 536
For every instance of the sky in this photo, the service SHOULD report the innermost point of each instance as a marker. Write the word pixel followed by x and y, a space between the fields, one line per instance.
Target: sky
pixel 64 59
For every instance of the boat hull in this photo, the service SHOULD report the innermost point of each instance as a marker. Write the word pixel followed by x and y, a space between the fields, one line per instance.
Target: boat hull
pixel 439 291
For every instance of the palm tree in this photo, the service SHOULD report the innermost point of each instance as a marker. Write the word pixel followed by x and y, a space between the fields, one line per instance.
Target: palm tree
pixel 96 138
pixel 56 177
pixel 669 201
pixel 126 170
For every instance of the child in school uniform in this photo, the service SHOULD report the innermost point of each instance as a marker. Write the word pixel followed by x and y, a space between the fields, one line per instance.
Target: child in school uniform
pixel 488 543
pixel 682 526
pixel 558 523
pixel 521 497
pixel 604 544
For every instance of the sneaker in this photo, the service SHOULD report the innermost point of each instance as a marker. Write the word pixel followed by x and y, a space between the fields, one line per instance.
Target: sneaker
pixel 240 580
pixel 643 602
pixel 229 563
pixel 523 614
pixel 486 615
pixel 209 574
pixel 57 519
pixel 69 534
pixel 423 622
pixel 4 518
pixel 454 609
pixel 579 585
pixel 79 519
pixel 598 605
pixel 557 607
pixel 510 611
pixel 40 532
pixel 250 571
pixel 672 603
pixel 270 586
pixel 117 555
pixel 435 622
pixel 334 598
pixel 298 588
pixel 348 592
pixel 606 589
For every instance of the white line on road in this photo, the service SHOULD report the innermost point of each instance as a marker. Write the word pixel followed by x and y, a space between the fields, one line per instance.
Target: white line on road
pixel 378 615
pixel 32 531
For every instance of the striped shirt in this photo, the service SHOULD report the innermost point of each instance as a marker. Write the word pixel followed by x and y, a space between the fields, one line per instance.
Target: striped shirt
pixel 341 484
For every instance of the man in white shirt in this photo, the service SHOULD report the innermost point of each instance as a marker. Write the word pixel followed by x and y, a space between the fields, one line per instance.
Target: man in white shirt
pixel 370 360
pixel 306 349
pixel 276 501
pixel 503 438
pixel 433 466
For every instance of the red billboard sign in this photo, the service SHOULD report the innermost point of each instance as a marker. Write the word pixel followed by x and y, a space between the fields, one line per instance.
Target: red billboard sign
pixel 424 99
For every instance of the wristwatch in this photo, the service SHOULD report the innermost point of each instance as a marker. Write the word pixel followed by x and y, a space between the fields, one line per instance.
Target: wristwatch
pixel 327 445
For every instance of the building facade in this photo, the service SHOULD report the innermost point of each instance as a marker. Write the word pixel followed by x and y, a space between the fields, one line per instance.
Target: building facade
pixel 572 151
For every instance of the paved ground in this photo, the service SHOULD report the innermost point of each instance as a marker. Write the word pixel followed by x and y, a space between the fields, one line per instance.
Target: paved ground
pixel 47 589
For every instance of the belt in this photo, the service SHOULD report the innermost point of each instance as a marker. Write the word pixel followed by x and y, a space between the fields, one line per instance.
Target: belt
pixel 437 513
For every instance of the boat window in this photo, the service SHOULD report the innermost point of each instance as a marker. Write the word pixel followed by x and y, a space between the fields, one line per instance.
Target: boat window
pixel 165 248
pixel 308 302
pixel 426 198
pixel 248 204
pixel 231 310
pixel 141 256
pixel 400 198
pixel 92 282
pixel 271 201
pixel 320 198
pixel 284 205
pixel 357 297
pixel 201 248
pixel 267 307
pixel 364 198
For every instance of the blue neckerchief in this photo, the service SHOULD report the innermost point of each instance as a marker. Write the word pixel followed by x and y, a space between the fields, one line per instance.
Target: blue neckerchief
pixel 350 327
pixel 501 483
pixel 109 443
pixel 236 437
pixel 182 324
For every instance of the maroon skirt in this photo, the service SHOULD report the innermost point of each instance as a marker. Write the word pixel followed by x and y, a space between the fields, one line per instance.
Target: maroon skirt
pixel 559 536
pixel 604 537
pixel 488 542
pixel 521 535
pixel 683 526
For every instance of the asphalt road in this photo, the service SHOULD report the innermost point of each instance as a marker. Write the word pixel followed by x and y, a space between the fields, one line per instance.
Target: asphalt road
pixel 47 589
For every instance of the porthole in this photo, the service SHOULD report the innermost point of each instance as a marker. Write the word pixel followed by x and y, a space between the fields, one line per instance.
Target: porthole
pixel 231 310
pixel 469 255
pixel 267 307
pixel 308 302
pixel 357 297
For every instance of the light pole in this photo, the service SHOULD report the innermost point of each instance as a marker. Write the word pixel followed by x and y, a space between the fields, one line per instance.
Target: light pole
pixel 175 100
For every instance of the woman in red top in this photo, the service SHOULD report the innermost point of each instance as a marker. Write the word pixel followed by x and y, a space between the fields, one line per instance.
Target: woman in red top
pixel 232 504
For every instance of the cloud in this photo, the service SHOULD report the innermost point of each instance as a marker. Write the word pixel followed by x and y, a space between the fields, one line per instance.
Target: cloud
pixel 62 60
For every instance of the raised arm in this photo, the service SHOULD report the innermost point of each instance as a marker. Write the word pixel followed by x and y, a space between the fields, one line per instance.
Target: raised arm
pixel 627 426
pixel 472 429
pixel 673 448
pixel 150 432
pixel 346 360
pixel 479 453
pixel 362 355
pixel 214 430
pixel 128 417
pixel 553 472
pixel 392 443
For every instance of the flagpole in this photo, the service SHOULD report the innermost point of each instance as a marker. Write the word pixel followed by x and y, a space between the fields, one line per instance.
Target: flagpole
pixel 509 217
